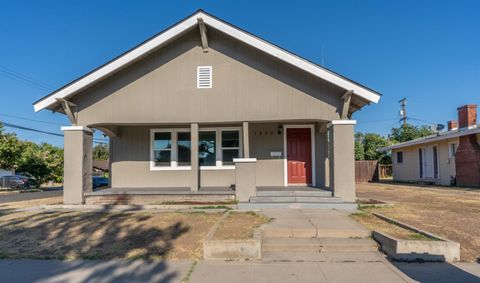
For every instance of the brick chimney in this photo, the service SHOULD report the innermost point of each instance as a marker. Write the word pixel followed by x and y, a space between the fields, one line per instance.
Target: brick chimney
pixel 467 116
pixel 467 158
pixel 452 125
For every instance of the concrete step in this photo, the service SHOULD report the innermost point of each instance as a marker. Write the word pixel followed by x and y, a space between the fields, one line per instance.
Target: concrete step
pixel 297 205
pixel 318 245
pixel 333 257
pixel 280 193
pixel 306 199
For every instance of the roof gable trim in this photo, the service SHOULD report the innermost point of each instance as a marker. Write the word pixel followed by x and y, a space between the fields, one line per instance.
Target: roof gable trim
pixel 180 28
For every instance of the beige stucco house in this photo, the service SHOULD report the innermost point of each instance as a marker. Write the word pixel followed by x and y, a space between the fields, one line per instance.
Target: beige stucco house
pixel 446 158
pixel 205 108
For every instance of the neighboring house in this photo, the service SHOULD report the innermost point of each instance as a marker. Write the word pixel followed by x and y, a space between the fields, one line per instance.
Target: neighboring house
pixel 446 158
pixel 260 115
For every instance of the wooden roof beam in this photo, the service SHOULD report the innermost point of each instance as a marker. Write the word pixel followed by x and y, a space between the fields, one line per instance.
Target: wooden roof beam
pixel 347 98
pixel 203 34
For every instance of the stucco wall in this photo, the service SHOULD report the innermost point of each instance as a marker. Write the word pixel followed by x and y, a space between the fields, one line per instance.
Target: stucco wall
pixel 247 86
pixel 409 170
pixel 130 160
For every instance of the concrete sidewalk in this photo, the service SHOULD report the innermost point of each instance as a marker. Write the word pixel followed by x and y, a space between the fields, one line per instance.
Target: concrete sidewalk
pixel 56 271
pixel 312 223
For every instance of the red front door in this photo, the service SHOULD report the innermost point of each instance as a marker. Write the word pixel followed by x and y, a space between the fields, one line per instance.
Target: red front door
pixel 299 156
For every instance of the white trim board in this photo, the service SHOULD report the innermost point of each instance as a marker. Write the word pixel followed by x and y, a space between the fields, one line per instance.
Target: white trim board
pixel 312 146
pixel 183 26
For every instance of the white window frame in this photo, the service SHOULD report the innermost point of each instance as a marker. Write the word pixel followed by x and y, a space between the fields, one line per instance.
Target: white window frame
pixel 219 149
pixel 452 154
pixel 174 150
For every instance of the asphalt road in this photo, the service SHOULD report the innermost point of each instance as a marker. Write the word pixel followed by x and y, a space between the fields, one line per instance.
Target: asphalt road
pixel 29 196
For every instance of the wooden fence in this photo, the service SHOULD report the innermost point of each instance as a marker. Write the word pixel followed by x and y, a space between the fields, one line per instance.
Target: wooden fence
pixel 371 171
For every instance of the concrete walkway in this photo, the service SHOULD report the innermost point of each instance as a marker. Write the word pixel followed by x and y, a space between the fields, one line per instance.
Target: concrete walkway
pixel 210 271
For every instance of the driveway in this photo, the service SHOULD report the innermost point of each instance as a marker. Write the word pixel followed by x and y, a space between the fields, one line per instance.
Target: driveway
pixel 14 197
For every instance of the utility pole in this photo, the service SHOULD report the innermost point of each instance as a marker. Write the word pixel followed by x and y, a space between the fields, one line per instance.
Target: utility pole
pixel 403 111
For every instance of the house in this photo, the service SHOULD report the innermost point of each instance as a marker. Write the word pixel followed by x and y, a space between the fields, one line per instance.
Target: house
pixel 445 158
pixel 203 108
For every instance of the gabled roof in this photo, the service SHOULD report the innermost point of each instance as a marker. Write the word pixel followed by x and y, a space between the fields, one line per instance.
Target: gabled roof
pixel 433 138
pixel 178 29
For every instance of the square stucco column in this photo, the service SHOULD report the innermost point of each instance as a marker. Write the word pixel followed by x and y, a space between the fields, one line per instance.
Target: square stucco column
pixel 77 176
pixel 342 159
pixel 194 157
pixel 245 140
pixel 245 178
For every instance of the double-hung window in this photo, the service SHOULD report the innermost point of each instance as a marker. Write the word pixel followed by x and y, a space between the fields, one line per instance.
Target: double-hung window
pixel 230 146
pixel 218 147
pixel 170 149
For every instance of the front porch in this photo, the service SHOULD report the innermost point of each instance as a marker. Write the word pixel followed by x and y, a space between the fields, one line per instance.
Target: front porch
pixel 264 197
pixel 157 163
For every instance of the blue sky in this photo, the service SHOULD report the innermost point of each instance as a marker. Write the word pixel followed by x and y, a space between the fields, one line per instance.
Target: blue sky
pixel 427 51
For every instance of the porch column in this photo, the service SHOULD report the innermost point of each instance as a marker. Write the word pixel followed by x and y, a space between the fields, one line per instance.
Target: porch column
pixel 342 159
pixel 245 140
pixel 77 176
pixel 194 157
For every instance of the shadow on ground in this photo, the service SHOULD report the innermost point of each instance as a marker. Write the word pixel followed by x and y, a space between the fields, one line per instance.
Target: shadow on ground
pixel 53 271
pixel 436 272
pixel 87 235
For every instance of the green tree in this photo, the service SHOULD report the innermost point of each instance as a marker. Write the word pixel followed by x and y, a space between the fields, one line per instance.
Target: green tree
pixel 10 150
pixel 44 162
pixel 367 145
pixel 359 148
pixel 409 132
pixel 100 151
pixel 371 144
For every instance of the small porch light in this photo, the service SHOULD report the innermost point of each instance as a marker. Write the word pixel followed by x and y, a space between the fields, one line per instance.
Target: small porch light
pixel 280 128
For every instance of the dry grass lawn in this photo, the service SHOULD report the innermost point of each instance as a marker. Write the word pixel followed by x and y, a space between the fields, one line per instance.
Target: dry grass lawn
pixel 108 235
pixel 372 222
pixel 453 213
pixel 229 228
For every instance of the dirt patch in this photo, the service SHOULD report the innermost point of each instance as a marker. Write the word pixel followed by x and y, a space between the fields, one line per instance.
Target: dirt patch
pixel 372 222
pixel 452 213
pixel 104 235
pixel 239 226
pixel 33 202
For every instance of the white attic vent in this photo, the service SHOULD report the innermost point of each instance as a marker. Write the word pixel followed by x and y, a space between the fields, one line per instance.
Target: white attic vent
pixel 204 77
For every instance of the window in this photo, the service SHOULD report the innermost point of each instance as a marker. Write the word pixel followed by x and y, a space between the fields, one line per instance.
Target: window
pixel 218 147
pixel 399 156
pixel 207 148
pixel 420 161
pixel 162 149
pixel 170 149
pixel 183 148
pixel 204 77
pixel 230 146
pixel 452 149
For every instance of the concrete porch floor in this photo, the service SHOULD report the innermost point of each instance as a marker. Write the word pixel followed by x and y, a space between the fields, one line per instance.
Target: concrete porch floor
pixel 202 190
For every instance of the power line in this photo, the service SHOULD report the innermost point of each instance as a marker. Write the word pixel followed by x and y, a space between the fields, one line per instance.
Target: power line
pixel 24 78
pixel 95 140
pixel 29 119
